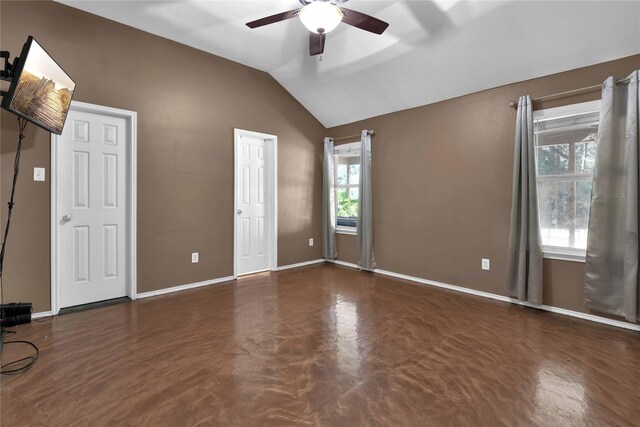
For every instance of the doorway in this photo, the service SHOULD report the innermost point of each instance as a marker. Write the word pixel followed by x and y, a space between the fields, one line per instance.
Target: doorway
pixel 93 207
pixel 255 202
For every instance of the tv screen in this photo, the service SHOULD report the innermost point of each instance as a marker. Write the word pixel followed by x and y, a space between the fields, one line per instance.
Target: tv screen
pixel 40 90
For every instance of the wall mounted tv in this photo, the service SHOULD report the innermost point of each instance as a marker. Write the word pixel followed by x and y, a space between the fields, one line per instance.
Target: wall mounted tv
pixel 40 90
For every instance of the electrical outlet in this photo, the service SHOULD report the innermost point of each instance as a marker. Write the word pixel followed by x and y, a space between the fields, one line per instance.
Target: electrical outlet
pixel 194 257
pixel 38 174
pixel 310 242
pixel 486 264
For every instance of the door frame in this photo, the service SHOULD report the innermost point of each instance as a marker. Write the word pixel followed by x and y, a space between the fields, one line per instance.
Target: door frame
pixel 271 162
pixel 130 118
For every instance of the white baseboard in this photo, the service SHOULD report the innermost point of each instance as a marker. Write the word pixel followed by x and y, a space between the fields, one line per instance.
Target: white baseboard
pixel 183 287
pixel 300 264
pixel 343 263
pixel 584 316
pixel 41 314
pixel 503 298
pixel 446 286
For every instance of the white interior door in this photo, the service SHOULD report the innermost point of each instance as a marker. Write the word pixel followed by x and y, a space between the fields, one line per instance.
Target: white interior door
pixel 91 212
pixel 254 199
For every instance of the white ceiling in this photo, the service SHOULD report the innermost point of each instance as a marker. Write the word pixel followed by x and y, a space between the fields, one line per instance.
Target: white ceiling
pixel 432 50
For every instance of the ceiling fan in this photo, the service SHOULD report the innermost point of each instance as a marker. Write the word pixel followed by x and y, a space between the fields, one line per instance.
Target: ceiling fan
pixel 322 16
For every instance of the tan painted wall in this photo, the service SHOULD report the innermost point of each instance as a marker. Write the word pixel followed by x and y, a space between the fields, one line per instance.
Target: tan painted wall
pixel 442 177
pixel 442 172
pixel 188 103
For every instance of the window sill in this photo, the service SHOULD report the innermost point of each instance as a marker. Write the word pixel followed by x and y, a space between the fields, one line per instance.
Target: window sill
pixel 563 254
pixel 347 230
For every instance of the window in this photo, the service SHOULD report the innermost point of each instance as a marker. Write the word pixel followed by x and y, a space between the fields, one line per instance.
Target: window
pixel 347 182
pixel 565 139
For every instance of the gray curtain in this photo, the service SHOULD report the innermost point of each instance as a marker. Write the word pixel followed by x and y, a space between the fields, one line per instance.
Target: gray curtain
pixel 524 263
pixel 366 257
pixel 329 250
pixel 611 271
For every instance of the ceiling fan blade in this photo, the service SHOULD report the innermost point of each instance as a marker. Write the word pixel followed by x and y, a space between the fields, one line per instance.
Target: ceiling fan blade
pixel 316 43
pixel 363 21
pixel 273 18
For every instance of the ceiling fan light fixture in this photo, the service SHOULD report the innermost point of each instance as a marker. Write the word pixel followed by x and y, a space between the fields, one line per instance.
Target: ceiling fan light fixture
pixel 320 17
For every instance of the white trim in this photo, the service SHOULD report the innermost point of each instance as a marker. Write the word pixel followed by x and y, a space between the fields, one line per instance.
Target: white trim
pixel 343 263
pixel 41 314
pixel 272 142
pixel 300 264
pixel 249 273
pixel 352 231
pixel 503 298
pixel 584 316
pixel 132 188
pixel 185 287
pixel 445 286
pixel 352 148
pixel 566 111
pixel 564 254
pixel 557 310
pixel 274 201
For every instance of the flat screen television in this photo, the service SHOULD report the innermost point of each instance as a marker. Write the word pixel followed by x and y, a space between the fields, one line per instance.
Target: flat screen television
pixel 40 89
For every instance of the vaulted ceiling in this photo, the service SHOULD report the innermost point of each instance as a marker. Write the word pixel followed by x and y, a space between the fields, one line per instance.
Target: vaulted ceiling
pixel 432 50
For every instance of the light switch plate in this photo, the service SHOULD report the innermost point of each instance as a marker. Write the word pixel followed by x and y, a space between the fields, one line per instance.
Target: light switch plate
pixel 486 264
pixel 38 174
pixel 194 257
pixel 310 242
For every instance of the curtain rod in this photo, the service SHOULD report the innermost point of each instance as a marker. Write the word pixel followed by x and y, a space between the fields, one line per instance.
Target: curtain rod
pixel 369 132
pixel 514 104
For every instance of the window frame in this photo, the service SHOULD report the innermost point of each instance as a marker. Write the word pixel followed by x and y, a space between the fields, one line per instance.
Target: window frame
pixel 338 151
pixel 560 252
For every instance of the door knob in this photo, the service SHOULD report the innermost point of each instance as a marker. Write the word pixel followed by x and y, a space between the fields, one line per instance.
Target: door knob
pixel 66 218
pixel 239 211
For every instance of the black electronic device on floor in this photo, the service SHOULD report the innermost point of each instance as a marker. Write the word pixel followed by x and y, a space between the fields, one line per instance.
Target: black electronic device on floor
pixel 15 313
